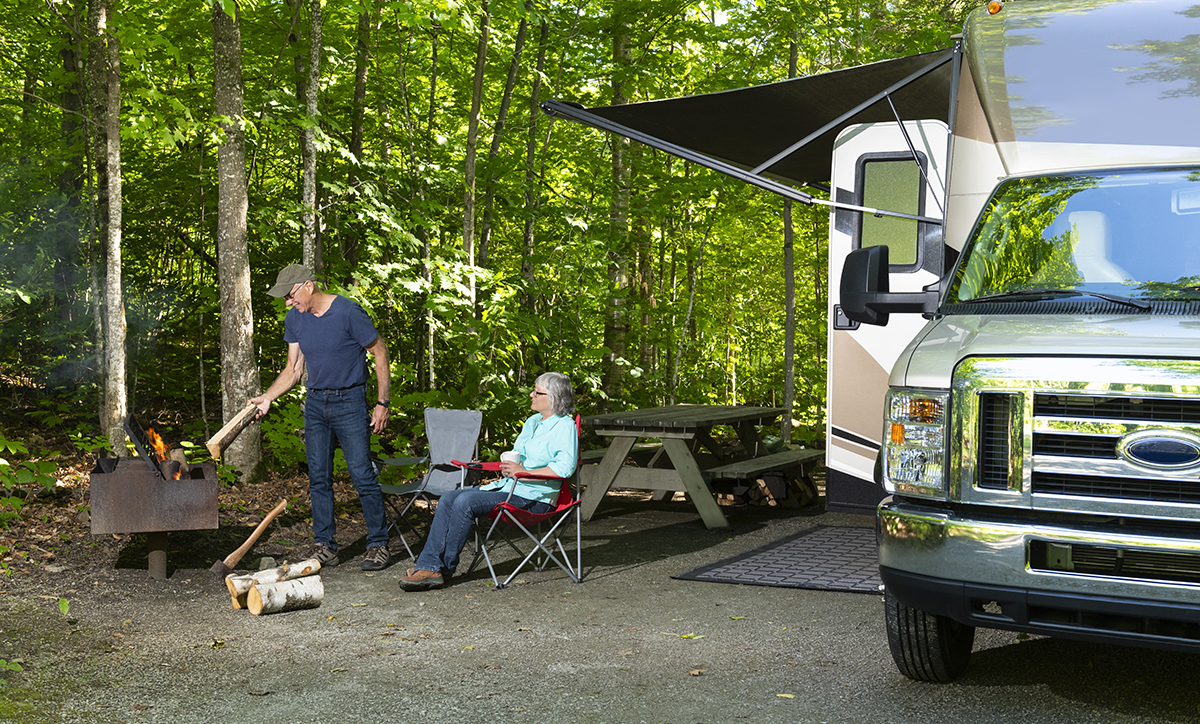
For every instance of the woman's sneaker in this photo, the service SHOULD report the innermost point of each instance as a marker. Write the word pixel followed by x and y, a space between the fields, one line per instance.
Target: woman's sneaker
pixel 376 558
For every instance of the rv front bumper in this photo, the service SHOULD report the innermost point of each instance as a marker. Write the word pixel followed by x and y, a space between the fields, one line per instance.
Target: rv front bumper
pixel 1117 584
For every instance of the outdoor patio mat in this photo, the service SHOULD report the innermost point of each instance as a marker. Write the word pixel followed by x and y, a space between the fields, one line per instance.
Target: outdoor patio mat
pixel 829 558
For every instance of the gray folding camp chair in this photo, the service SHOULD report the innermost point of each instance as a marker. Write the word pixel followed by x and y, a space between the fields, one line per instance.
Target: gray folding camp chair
pixel 452 435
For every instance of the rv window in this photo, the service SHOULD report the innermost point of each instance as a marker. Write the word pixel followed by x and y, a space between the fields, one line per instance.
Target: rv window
pixel 1133 233
pixel 893 184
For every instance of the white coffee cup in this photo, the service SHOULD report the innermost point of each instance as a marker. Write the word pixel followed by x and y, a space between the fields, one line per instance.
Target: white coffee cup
pixel 510 456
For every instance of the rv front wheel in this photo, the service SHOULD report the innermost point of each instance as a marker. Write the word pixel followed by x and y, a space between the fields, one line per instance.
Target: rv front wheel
pixel 926 647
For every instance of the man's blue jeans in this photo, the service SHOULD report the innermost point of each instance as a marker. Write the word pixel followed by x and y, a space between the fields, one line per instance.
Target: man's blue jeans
pixel 341 416
pixel 456 513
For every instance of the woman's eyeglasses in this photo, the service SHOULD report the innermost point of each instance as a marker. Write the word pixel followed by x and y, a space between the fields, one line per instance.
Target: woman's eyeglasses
pixel 539 394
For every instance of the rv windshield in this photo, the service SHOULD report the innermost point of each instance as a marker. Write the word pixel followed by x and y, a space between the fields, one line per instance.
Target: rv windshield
pixel 1130 234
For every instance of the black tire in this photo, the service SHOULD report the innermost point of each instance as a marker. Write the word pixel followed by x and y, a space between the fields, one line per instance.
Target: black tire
pixel 926 647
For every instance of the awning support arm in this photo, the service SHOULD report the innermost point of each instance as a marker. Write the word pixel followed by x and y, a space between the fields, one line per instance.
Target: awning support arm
pixel 575 112
pixel 848 114
pixel 912 149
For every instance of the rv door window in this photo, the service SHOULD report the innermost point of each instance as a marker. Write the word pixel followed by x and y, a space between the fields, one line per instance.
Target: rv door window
pixel 891 183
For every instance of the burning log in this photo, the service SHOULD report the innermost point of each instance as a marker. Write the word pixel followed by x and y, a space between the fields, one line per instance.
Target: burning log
pixel 217 443
pixel 293 595
pixel 170 463
pixel 239 586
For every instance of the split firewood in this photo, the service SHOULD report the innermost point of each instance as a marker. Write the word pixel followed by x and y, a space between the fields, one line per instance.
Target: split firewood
pixel 293 595
pixel 239 586
pixel 217 443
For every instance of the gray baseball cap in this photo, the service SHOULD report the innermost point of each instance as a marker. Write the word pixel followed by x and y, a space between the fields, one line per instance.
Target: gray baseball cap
pixel 291 275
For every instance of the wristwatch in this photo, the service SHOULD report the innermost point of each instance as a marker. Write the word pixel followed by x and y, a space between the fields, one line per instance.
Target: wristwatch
pixel 383 403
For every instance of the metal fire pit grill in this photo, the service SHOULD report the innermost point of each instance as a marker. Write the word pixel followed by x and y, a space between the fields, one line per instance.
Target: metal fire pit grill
pixel 131 495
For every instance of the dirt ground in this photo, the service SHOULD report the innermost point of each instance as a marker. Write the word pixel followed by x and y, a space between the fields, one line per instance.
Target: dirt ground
pixel 97 640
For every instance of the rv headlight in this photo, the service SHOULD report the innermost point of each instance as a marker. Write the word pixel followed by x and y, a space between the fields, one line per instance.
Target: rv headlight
pixel 914 442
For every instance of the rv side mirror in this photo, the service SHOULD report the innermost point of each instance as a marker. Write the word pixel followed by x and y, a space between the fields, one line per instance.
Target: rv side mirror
pixel 864 275
pixel 866 294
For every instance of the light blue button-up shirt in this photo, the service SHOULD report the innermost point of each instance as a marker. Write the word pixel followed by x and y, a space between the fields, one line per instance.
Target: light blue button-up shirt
pixel 553 443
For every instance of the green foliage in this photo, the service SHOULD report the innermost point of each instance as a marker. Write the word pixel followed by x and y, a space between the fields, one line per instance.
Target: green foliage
pixel 462 332
pixel 30 473
pixel 10 510
pixel 84 440
pixel 282 432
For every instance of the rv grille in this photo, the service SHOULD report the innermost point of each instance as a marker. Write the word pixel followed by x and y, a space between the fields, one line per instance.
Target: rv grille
pixel 995 434
pixel 1075 446
pixel 1145 409
pixel 1162 491
pixel 1117 562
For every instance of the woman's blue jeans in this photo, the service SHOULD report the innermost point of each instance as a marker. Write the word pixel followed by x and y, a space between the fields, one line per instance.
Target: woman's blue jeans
pixel 332 416
pixel 456 513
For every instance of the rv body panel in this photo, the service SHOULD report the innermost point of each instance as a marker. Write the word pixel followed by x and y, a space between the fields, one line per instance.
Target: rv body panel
pixel 869 161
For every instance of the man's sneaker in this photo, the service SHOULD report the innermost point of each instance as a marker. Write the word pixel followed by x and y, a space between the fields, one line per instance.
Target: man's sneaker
pixel 376 558
pixel 326 556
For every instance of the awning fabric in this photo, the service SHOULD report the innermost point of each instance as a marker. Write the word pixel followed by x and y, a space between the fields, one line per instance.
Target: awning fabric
pixel 748 126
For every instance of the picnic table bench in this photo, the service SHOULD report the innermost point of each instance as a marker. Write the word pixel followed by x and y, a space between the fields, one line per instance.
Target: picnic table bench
pixel 801 462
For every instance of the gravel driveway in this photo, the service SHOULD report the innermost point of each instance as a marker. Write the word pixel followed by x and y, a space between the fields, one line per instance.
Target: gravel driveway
pixel 629 644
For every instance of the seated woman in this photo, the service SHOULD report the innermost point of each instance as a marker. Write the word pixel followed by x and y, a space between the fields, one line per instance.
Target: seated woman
pixel 548 446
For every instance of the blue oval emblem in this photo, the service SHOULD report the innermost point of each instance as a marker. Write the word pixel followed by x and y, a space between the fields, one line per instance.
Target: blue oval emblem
pixel 1163 449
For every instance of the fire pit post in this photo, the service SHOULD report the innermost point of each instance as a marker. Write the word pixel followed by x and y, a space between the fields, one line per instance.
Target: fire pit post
pixel 156 544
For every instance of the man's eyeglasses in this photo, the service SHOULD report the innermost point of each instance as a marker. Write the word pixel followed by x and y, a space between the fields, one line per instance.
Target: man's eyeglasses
pixel 288 297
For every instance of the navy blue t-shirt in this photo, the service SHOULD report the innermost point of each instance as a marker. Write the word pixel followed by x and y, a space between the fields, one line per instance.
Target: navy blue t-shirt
pixel 333 343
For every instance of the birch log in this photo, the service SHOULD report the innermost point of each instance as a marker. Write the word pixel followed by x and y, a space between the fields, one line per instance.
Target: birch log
pixel 217 443
pixel 292 595
pixel 239 586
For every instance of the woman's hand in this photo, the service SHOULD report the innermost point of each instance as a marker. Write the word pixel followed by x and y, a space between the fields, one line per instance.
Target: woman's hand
pixel 510 469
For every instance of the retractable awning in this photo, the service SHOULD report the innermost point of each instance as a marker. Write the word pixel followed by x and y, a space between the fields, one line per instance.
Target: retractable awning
pixel 753 133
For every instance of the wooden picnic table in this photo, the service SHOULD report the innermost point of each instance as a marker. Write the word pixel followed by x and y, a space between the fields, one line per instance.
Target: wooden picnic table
pixel 683 430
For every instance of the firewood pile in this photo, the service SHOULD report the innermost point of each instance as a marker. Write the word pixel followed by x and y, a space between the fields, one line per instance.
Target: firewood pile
pixel 289 587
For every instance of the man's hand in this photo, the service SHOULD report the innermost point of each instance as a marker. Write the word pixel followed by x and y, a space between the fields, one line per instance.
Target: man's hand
pixel 379 418
pixel 263 405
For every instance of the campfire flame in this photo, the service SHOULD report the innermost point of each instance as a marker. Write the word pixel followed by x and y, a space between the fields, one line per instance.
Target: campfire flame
pixel 160 447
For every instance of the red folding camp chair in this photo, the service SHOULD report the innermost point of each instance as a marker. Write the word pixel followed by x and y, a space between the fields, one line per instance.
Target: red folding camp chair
pixel 546 546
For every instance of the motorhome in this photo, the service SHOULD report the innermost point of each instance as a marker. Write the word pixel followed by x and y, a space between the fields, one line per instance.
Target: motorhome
pixel 1015 348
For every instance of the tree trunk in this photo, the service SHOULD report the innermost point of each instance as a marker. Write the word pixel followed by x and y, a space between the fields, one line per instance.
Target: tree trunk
pixel 616 327
pixel 309 243
pixel 789 290
pixel 358 113
pixel 239 371
pixel 104 72
pixel 425 359
pixel 472 146
pixel 489 185
pixel 70 183
pixel 533 195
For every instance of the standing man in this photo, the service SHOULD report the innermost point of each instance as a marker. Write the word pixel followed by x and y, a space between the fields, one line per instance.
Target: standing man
pixel 328 333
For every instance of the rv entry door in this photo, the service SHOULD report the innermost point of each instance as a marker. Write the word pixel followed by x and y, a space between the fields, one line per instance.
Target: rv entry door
pixel 874 167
